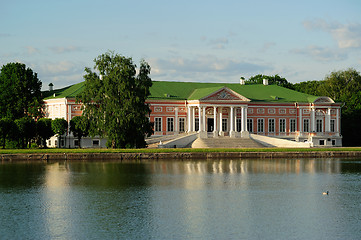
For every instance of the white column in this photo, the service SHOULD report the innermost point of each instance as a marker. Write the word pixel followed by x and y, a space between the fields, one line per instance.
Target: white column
pixel 338 121
pixel 214 121
pixel 220 121
pixel 176 130
pixel 204 119
pixel 189 119
pixel 231 128
pixel 300 125
pixel 235 120
pixel 328 120
pixel 193 119
pixel 313 120
pixel 199 119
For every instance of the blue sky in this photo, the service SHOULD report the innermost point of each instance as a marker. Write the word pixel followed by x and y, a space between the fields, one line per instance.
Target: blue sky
pixel 204 41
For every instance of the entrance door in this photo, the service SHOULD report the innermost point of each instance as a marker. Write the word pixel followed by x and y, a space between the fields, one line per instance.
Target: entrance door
pixel 210 124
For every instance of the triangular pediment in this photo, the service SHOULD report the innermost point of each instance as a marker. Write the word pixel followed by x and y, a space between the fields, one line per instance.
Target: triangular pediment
pixel 323 100
pixel 225 94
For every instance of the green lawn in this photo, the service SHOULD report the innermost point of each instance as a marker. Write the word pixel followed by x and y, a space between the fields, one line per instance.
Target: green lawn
pixel 181 150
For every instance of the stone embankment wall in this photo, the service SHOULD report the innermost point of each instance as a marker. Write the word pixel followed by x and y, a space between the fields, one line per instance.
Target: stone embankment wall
pixel 173 156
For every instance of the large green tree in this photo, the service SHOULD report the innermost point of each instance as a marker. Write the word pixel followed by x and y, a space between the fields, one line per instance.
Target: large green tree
pixel 20 92
pixel 7 130
pixel 44 130
pixel 79 126
pixel 114 101
pixel 26 131
pixel 59 127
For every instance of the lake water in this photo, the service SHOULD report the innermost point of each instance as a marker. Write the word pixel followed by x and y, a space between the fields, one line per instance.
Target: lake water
pixel 217 199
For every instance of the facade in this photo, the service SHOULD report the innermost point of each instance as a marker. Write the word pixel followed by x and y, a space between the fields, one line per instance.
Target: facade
pixel 230 110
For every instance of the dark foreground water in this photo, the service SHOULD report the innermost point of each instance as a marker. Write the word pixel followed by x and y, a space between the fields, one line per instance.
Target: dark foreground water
pixel 220 199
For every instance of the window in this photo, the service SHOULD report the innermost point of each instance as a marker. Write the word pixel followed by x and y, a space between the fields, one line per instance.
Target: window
pixel 282 125
pixel 224 124
pixel 319 125
pixel 196 123
pixel 95 142
pixel 271 125
pixel 293 125
pixel 62 142
pixel 322 142
pixel 238 125
pixel 170 124
pixel 182 124
pixel 157 124
pixel 306 125
pixel 76 143
pixel 250 125
pixel 333 142
pixel 260 125
pixel 332 125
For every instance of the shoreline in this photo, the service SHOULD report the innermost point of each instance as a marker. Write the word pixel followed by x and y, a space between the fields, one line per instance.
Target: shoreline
pixel 173 156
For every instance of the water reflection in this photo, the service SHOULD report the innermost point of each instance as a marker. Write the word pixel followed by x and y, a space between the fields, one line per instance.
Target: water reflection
pixel 214 199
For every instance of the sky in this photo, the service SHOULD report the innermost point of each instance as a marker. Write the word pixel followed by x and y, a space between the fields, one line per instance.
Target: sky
pixel 189 40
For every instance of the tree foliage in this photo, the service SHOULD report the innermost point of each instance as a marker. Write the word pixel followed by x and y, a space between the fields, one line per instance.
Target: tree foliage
pixel 7 130
pixel 20 92
pixel 44 130
pixel 26 129
pixel 79 126
pixel 115 101
pixel 276 79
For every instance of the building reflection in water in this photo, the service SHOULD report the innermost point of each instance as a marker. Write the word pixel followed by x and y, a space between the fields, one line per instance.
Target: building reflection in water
pixel 249 166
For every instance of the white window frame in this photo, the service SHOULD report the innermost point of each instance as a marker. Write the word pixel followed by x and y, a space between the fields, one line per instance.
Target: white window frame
pixel 250 125
pixel 170 124
pixel 271 125
pixel 293 123
pixel 306 125
pixel 282 125
pixel 157 124
pixel 332 125
pixel 238 124
pixel 224 124
pixel 260 125
pixel 182 124
pixel 319 125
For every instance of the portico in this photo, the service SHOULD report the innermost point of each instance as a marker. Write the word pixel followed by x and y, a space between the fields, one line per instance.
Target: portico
pixel 213 120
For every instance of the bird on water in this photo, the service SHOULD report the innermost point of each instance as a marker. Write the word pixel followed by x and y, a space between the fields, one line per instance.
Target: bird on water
pixel 325 193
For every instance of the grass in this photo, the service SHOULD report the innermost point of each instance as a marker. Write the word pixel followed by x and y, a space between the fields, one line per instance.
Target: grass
pixel 171 150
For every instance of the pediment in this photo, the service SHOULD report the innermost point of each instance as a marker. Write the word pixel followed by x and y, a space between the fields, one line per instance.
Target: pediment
pixel 225 94
pixel 323 100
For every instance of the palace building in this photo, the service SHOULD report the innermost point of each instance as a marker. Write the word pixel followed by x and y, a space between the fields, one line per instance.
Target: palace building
pixel 228 110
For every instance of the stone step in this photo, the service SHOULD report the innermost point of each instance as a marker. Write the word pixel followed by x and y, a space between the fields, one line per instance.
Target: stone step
pixel 226 142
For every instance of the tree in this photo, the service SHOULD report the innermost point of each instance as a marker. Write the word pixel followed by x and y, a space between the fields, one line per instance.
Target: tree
pixel 20 91
pixel 114 102
pixel 59 126
pixel 79 126
pixel 7 130
pixel 44 130
pixel 26 131
pixel 276 79
pixel 309 87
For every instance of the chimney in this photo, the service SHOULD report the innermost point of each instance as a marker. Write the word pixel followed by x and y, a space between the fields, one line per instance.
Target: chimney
pixel 265 81
pixel 242 81
pixel 51 87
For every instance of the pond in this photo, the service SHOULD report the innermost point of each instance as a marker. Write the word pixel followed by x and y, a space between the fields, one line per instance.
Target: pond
pixel 214 199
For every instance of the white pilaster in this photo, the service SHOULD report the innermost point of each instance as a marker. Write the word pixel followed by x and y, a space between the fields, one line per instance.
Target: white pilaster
pixel 176 129
pixel 215 122
pixel 328 120
pixel 200 127
pixel 338 121
pixel 220 121
pixel 189 119
pixel 204 119
pixel 313 120
pixel 193 119
pixel 300 123
pixel 231 129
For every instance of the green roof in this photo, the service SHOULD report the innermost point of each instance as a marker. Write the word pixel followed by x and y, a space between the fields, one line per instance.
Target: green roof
pixel 166 90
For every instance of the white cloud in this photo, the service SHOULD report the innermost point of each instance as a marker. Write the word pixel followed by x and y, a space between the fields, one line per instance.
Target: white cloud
pixel 321 53
pixel 346 35
pixel 204 68
pixel 32 50
pixel 67 49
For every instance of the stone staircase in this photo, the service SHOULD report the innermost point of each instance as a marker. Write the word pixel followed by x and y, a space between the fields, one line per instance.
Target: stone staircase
pixel 226 142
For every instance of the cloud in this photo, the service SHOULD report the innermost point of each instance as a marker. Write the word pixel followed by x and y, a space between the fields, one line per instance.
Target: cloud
pixel 346 35
pixel 205 68
pixel 321 53
pixel 59 68
pixel 32 50
pixel 5 35
pixel 217 43
pixel 267 46
pixel 67 49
